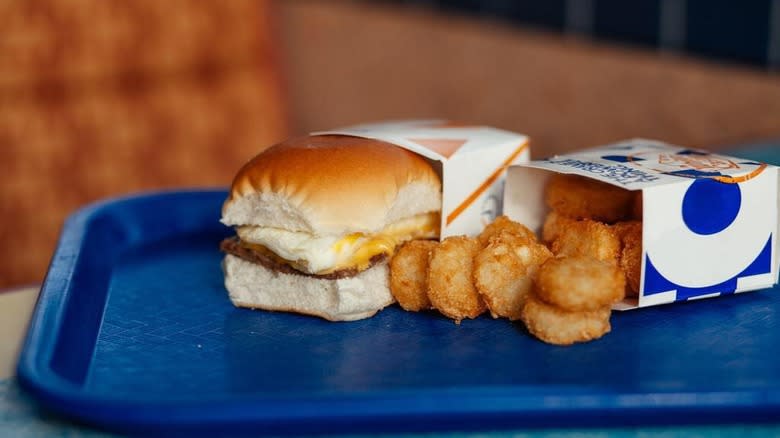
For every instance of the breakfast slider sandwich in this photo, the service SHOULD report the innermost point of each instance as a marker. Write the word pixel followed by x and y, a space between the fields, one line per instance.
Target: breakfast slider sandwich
pixel 318 217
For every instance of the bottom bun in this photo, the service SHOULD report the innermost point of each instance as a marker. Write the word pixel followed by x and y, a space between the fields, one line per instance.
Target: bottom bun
pixel 345 299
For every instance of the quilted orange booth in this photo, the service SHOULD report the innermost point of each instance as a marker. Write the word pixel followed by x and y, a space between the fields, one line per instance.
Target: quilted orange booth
pixel 103 98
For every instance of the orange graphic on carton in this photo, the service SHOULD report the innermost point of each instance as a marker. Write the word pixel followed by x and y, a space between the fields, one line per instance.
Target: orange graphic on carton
pixel 487 183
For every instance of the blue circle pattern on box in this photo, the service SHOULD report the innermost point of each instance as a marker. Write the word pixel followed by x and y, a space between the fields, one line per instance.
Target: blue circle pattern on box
pixel 710 206
pixel 656 283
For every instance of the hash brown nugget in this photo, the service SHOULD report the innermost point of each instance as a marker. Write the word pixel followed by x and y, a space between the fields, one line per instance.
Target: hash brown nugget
pixel 588 238
pixel 578 197
pixel 503 273
pixel 504 224
pixel 579 284
pixel 560 327
pixel 554 224
pixel 623 229
pixel 409 275
pixel 450 272
pixel 631 256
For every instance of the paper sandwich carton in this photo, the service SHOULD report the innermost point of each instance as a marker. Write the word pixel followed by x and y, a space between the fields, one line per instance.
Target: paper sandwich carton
pixel 710 222
pixel 472 161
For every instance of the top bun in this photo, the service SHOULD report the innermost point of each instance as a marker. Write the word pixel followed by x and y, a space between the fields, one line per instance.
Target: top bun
pixel 332 184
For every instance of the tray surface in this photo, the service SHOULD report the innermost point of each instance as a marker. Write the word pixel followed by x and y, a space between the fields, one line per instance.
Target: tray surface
pixel 134 332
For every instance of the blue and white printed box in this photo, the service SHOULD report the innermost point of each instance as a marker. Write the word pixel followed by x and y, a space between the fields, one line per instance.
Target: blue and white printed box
pixel 710 222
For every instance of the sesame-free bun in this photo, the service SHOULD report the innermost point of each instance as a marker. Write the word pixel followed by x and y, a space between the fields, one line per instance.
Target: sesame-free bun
pixel 332 184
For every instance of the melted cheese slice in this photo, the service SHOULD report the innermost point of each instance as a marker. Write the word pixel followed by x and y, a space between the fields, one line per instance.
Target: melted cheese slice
pixel 325 254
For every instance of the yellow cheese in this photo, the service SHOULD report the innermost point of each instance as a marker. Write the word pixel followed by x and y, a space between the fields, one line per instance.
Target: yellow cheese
pixel 356 250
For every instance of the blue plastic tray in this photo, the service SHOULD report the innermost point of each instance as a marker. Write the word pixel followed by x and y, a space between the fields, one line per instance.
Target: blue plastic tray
pixel 134 332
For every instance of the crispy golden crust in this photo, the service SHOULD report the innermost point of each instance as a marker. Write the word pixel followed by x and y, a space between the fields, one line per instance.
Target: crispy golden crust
pixel 409 275
pixel 579 283
pixel 556 326
pixel 631 255
pixel 450 285
pixel 588 238
pixel 504 272
pixel 625 228
pixel 554 224
pixel 504 224
pixel 578 197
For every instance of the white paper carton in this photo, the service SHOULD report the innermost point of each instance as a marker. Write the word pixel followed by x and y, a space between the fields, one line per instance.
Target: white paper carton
pixel 710 222
pixel 472 161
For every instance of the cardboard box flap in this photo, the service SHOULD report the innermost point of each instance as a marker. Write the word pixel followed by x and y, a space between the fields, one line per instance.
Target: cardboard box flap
pixel 637 164
pixel 439 140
